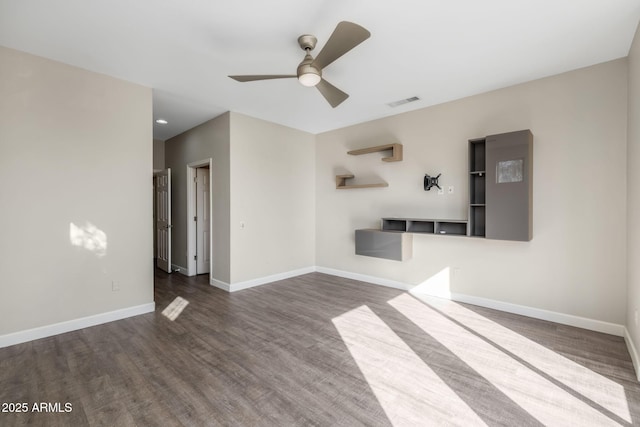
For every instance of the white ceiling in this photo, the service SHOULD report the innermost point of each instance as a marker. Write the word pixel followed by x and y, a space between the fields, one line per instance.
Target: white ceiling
pixel 434 49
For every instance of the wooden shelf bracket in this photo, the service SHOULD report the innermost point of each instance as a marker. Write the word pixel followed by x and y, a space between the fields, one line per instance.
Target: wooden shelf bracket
pixel 341 183
pixel 396 152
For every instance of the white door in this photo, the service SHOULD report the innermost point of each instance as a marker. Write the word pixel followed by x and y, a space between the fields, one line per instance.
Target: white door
pixel 163 219
pixel 203 253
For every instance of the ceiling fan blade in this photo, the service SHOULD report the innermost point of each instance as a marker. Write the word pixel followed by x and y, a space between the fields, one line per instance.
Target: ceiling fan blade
pixel 264 77
pixel 332 94
pixel 345 37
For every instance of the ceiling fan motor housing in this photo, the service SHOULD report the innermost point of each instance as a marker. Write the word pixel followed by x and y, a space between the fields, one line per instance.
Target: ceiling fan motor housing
pixel 308 75
pixel 307 42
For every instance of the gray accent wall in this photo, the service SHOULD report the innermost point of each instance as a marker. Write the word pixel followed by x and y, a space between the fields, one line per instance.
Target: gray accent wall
pixel 158 154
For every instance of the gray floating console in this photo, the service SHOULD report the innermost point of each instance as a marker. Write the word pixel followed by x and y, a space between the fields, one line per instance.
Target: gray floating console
pixel 395 240
pixel 396 246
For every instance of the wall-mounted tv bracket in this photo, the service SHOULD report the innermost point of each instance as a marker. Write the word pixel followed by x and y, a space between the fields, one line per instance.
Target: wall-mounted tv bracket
pixel 431 181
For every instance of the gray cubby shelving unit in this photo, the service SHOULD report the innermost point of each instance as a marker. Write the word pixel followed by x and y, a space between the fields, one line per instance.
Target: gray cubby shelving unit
pixel 425 226
pixel 477 184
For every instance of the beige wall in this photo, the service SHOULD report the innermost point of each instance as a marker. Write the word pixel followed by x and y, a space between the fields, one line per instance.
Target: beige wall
pixel 75 185
pixel 263 176
pixel 633 192
pixel 576 262
pixel 208 140
pixel 273 194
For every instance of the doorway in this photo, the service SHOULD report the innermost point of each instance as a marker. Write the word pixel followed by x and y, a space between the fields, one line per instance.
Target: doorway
pixel 199 219
pixel 162 219
pixel 203 251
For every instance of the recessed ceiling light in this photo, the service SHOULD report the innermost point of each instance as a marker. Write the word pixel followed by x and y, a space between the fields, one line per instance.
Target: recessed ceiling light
pixel 161 122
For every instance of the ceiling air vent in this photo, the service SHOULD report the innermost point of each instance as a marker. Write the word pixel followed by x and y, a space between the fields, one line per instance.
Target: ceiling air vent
pixel 403 101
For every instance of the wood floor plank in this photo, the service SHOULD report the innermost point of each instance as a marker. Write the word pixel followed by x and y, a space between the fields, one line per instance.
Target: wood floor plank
pixel 317 350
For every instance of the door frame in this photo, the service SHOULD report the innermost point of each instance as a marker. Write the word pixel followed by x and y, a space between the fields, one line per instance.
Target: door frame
pixel 191 212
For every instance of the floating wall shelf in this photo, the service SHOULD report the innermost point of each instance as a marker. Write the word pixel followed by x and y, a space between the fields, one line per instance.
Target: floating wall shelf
pixel 396 152
pixel 341 183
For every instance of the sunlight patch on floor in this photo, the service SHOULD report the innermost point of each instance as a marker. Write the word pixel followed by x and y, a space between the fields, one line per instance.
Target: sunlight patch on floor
pixel 597 388
pixel 542 399
pixel 174 309
pixel 408 390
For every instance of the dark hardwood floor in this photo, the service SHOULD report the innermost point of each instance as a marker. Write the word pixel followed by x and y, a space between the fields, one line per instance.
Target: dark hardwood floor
pixel 320 350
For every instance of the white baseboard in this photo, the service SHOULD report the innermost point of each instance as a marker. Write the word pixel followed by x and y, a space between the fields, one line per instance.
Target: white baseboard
pixel 365 278
pixel 220 284
pixel 260 281
pixel 74 325
pixel 179 269
pixel 633 351
pixel 536 313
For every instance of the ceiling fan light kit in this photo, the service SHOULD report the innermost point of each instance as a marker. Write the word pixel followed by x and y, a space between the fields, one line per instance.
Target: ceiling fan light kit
pixel 309 79
pixel 345 37
pixel 308 75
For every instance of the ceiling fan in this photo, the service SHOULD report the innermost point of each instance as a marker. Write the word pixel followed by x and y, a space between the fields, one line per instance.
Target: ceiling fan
pixel 345 37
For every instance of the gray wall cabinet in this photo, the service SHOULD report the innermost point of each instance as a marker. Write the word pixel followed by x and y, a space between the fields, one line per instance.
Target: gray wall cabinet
pixel 501 186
